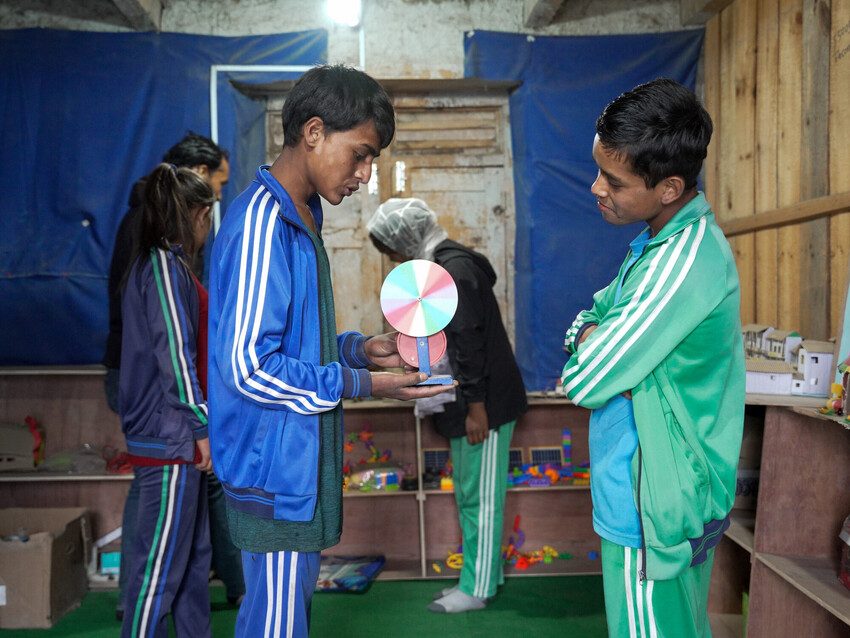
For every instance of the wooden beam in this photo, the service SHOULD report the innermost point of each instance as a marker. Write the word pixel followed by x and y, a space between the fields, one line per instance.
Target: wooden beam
pixel 794 214
pixel 767 193
pixel 790 95
pixel 814 168
pixel 539 13
pixel 696 12
pixel 142 15
pixel 711 56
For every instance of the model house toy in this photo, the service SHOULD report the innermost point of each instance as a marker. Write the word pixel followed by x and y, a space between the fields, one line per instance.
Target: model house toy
pixel 783 362
pixel 782 345
pixel 814 367
pixel 754 339
pixel 767 376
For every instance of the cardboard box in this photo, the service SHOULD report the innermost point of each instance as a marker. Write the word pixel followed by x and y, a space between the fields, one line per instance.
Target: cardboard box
pixel 45 576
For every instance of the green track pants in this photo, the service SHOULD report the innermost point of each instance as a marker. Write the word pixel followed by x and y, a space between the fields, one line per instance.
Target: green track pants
pixel 480 480
pixel 675 608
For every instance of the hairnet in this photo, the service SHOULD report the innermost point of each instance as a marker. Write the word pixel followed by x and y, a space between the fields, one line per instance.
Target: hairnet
pixel 407 226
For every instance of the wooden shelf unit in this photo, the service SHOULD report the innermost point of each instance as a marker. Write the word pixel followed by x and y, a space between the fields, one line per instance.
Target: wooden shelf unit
pixel 559 516
pixel 413 529
pixel 70 405
pixel 788 562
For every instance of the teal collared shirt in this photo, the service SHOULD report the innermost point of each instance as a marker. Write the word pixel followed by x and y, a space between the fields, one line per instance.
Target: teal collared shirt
pixel 613 442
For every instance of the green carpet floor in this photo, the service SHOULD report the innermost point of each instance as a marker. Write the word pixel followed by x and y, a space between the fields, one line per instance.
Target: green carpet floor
pixel 528 606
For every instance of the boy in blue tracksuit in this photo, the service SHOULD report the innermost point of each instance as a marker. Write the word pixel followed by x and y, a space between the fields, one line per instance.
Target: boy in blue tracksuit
pixel 277 369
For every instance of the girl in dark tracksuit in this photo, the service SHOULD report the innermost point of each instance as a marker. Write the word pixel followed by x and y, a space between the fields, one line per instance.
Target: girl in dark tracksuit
pixel 163 411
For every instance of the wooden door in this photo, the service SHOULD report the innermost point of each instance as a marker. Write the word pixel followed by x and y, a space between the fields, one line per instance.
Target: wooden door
pixel 452 150
pixel 454 154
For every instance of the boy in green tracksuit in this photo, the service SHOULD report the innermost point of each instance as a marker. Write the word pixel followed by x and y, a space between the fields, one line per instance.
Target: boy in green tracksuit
pixel 660 360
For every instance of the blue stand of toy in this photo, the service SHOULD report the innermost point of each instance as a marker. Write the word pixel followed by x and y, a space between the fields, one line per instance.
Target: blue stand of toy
pixel 424 354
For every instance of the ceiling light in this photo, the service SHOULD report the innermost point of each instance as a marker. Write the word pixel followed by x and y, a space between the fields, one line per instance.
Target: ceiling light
pixel 345 12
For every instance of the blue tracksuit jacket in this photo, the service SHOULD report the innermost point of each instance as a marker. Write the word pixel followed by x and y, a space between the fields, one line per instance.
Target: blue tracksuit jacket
pixel 267 385
pixel 162 407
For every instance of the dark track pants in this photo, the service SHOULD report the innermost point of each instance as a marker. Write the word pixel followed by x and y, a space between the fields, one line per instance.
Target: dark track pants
pixel 169 561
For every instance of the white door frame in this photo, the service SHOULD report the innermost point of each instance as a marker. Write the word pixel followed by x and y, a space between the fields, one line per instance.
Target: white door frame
pixel 215 69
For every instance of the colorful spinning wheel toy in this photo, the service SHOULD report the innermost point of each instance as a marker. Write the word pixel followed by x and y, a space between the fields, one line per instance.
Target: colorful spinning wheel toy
pixel 419 299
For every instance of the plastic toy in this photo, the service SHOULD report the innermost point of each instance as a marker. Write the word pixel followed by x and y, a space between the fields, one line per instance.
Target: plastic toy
pixel 567 447
pixel 37 439
pixel 524 560
pixel 373 473
pixel 581 476
pixel 419 299
pixel 539 475
pixel 834 403
pixel 386 478
pixel 454 561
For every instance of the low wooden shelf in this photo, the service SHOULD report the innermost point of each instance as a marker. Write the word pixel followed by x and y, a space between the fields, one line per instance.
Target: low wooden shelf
pixel 786 553
pixel 377 493
pixel 814 577
pixel 726 625
pixel 542 488
pixel 785 400
pixel 59 477
pixel 741 531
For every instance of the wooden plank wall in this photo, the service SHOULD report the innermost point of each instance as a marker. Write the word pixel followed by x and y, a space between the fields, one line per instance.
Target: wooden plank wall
pixel 839 151
pixel 777 85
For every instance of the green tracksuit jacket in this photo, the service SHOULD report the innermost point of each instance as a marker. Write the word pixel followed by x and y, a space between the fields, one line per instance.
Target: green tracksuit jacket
pixel 674 340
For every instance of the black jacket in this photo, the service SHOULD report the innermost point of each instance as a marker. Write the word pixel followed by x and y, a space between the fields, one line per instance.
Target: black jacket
pixel 122 253
pixel 479 351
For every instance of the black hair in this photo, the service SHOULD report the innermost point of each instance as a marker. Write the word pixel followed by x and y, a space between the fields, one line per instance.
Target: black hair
pixel 195 150
pixel 660 129
pixel 171 194
pixel 343 98
pixel 380 246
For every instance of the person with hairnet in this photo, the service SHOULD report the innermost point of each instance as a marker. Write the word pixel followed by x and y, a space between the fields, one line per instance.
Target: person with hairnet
pixel 489 399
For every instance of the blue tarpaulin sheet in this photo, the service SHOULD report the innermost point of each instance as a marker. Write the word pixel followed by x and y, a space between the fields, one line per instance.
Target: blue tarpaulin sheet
pixel 83 116
pixel 564 250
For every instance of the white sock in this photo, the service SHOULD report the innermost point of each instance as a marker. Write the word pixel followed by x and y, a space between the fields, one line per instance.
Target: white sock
pixel 456 602
pixel 445 591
